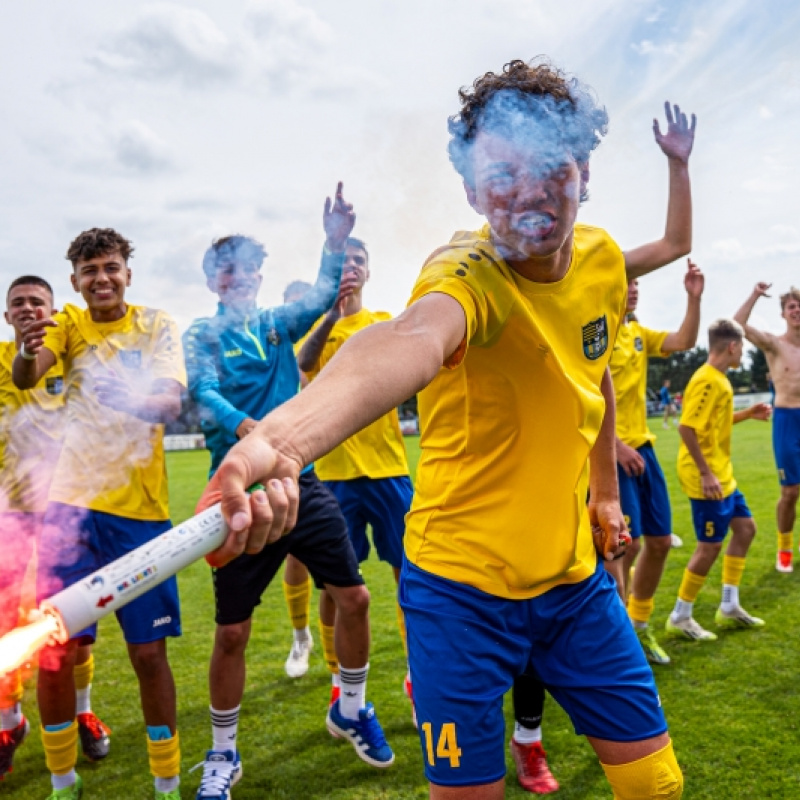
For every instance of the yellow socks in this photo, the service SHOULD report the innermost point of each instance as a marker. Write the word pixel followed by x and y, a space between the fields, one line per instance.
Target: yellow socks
pixel 61 749
pixel 690 587
pixel 732 569
pixel 785 541
pixel 328 648
pixel 164 756
pixel 640 611
pixel 84 673
pixel 298 600
pixel 654 777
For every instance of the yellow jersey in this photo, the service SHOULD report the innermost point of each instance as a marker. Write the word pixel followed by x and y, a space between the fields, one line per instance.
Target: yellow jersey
pixel 507 424
pixel 31 428
pixel 628 366
pixel 112 461
pixel 708 408
pixel 376 451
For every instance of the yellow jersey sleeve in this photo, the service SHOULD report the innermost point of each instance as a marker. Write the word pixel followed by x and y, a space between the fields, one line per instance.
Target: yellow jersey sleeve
pixel 507 426
pixel 708 410
pixel 654 341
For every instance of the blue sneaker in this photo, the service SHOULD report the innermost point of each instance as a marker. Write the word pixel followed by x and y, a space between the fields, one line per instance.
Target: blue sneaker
pixel 221 770
pixel 364 733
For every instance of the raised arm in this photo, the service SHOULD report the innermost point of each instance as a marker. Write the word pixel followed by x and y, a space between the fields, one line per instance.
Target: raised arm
pixel 404 355
pixel 761 339
pixel 686 336
pixel 761 411
pixel 676 144
pixel 33 359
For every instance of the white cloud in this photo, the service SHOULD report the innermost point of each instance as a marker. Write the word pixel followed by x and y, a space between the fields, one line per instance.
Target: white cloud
pixel 169 42
pixel 765 113
pixel 138 149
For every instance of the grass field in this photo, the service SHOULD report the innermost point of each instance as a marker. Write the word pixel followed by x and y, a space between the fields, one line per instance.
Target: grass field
pixel 731 704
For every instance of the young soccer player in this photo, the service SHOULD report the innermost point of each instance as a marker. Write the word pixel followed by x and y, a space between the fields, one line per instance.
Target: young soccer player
pixel 368 473
pixel 667 403
pixel 706 475
pixel 241 366
pixel 31 428
pixel 642 487
pixel 123 370
pixel 783 357
pixel 533 772
pixel 507 338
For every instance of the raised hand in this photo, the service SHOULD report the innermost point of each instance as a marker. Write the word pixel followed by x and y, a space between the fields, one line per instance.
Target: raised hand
pixel 33 332
pixel 338 219
pixel 678 140
pixel 761 289
pixel 114 392
pixel 348 285
pixel 694 281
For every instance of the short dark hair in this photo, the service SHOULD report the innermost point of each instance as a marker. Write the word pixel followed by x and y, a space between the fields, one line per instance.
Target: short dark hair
pixel 232 248
pixel 98 242
pixel 722 332
pixel 533 100
pixel 359 243
pixel 30 280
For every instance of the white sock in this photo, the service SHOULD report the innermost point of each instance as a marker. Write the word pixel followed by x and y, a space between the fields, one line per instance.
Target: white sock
pixel 83 700
pixel 682 610
pixel 167 784
pixel 523 735
pixel 11 717
pixel 354 691
pixel 730 597
pixel 302 635
pixel 62 781
pixel 224 729
pixel 335 680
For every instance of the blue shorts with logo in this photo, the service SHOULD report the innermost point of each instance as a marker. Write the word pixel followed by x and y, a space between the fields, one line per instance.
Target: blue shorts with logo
pixel 712 518
pixel 786 444
pixel 75 542
pixel 466 647
pixel 644 498
pixel 380 502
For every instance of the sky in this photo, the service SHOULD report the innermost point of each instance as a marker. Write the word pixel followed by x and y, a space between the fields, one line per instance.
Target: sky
pixel 180 122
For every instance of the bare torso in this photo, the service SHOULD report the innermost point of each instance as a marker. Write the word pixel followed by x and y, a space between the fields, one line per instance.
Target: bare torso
pixel 783 359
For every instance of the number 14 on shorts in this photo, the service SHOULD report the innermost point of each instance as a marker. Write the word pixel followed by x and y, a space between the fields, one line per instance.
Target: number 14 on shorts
pixel 446 747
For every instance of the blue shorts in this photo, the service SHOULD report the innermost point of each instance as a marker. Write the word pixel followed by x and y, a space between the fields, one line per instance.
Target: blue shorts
pixel 77 541
pixel 644 498
pixel 712 518
pixel 466 647
pixel 380 502
pixel 786 444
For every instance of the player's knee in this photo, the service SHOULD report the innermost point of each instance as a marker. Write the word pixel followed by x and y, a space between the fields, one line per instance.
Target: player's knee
pixel 148 659
pixel 633 549
pixel 789 494
pixel 654 777
pixel 659 546
pixel 353 601
pixel 56 658
pixel 232 639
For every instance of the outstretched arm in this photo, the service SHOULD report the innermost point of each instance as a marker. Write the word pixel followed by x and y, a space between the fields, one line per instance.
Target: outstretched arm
pixel 676 144
pixel 34 359
pixel 686 336
pixel 760 411
pixel 761 339
pixel 404 355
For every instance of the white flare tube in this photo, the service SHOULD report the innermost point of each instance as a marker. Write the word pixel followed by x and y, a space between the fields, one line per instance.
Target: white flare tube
pixel 125 579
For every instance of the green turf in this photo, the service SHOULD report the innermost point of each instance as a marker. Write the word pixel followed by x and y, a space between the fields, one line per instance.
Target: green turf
pixel 731 705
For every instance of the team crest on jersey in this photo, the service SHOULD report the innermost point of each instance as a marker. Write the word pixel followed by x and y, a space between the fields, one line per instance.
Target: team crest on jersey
pixel 638 345
pixel 595 338
pixel 132 359
pixel 55 384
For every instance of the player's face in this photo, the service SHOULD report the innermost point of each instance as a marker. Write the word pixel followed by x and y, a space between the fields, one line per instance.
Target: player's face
pixel 23 303
pixel 237 283
pixel 791 312
pixel 530 202
pixel 737 350
pixel 633 295
pixel 102 281
pixel 355 262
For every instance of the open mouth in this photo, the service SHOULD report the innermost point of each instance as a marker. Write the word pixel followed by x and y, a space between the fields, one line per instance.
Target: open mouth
pixel 536 224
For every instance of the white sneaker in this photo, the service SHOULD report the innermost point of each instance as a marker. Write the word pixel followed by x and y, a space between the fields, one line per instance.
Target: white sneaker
pixel 676 540
pixel 688 629
pixel 297 662
pixel 737 618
